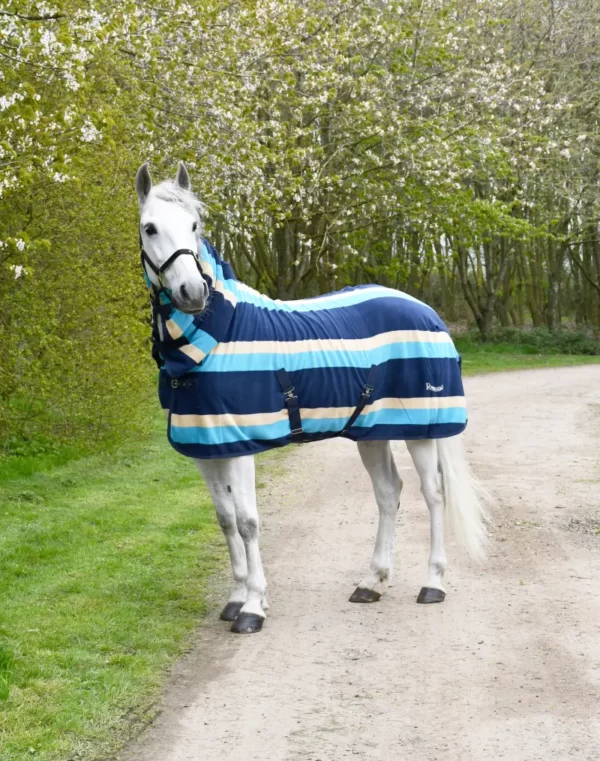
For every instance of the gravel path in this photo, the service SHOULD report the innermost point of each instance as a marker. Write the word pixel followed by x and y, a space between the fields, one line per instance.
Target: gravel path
pixel 507 667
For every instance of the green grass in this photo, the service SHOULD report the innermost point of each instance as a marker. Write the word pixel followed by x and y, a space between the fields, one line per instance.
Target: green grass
pixel 527 350
pixel 475 363
pixel 104 566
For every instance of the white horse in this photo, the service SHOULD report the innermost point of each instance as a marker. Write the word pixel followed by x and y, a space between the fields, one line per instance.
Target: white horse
pixel 170 228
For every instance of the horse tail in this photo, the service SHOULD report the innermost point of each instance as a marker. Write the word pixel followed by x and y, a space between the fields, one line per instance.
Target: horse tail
pixel 465 498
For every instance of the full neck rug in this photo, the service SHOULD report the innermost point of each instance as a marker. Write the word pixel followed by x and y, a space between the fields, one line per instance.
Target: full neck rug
pixel 251 373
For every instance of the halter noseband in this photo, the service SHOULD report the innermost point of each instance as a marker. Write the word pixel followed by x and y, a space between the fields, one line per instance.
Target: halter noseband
pixel 158 271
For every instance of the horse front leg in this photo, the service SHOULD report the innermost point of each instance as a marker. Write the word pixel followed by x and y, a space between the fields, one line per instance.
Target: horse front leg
pixel 231 484
pixel 215 475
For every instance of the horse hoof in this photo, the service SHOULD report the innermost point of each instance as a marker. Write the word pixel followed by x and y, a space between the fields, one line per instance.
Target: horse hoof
pixel 231 611
pixel 430 594
pixel 247 623
pixel 364 595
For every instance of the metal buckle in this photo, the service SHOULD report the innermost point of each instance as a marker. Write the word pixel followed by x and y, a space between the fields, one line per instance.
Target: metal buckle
pixel 295 431
pixel 174 383
pixel 289 394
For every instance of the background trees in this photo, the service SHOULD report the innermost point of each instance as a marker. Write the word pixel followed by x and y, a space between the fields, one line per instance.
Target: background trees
pixel 445 147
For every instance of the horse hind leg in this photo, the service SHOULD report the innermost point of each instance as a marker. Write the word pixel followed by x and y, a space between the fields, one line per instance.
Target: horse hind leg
pixel 387 485
pixel 425 458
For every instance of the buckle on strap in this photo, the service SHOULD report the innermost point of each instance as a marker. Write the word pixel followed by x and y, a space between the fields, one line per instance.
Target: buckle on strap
pixel 289 394
pixel 364 398
pixel 293 408
pixel 367 392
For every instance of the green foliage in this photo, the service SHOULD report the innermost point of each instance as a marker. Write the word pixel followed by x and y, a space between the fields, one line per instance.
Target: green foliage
pixel 581 342
pixel 72 331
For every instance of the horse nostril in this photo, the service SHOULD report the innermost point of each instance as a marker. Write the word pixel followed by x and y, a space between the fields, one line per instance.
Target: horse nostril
pixel 184 292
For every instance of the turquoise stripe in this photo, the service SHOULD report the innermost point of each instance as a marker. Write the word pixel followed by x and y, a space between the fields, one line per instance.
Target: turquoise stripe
pixel 182 320
pixel 319 303
pixel 410 417
pixel 390 417
pixel 200 338
pixel 204 342
pixel 228 363
pixel 228 435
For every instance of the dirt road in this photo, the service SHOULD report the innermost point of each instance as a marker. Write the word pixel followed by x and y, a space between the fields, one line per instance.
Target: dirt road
pixel 507 667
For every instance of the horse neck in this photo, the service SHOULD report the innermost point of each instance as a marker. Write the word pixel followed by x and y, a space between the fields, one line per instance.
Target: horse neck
pixel 212 264
pixel 223 280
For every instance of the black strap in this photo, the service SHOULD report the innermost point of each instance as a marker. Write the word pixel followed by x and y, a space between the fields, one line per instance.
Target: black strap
pixel 293 408
pixel 291 402
pixel 179 252
pixel 364 398
pixel 156 355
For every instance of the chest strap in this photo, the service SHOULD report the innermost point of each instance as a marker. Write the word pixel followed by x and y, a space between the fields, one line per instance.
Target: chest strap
pixel 293 408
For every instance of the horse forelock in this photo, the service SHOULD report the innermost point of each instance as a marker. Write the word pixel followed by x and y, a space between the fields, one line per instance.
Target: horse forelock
pixel 171 192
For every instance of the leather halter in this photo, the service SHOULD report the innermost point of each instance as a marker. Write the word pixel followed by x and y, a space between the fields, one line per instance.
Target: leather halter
pixel 159 271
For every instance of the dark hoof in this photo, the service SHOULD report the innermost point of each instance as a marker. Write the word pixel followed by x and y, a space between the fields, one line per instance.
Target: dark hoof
pixel 247 623
pixel 430 594
pixel 231 611
pixel 364 595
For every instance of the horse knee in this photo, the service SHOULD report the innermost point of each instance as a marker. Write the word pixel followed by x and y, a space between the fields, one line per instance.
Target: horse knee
pixel 226 521
pixel 247 525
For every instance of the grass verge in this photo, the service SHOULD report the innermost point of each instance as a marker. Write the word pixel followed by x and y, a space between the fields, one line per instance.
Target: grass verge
pixel 526 350
pixel 104 563
pixel 475 363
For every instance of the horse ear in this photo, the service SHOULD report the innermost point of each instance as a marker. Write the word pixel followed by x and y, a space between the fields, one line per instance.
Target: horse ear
pixel 182 178
pixel 143 183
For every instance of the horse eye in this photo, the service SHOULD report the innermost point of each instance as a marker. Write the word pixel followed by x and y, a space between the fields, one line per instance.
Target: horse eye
pixel 194 227
pixel 150 230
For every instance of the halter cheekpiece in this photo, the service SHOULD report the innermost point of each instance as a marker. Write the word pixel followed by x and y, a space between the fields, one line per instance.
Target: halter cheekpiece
pixel 159 308
pixel 158 271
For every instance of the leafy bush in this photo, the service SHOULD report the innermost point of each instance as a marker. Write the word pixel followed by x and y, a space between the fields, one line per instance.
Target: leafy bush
pixel 75 366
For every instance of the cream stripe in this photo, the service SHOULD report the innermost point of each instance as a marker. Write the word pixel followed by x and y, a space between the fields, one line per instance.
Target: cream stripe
pixel 327 297
pixel 174 330
pixel 207 269
pixel 425 403
pixel 228 295
pixel 226 420
pixel 193 352
pixel 337 296
pixel 332 344
pixel 316 413
pixel 217 284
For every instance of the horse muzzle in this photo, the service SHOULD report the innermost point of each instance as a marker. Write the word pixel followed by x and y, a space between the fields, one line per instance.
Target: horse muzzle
pixel 191 298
